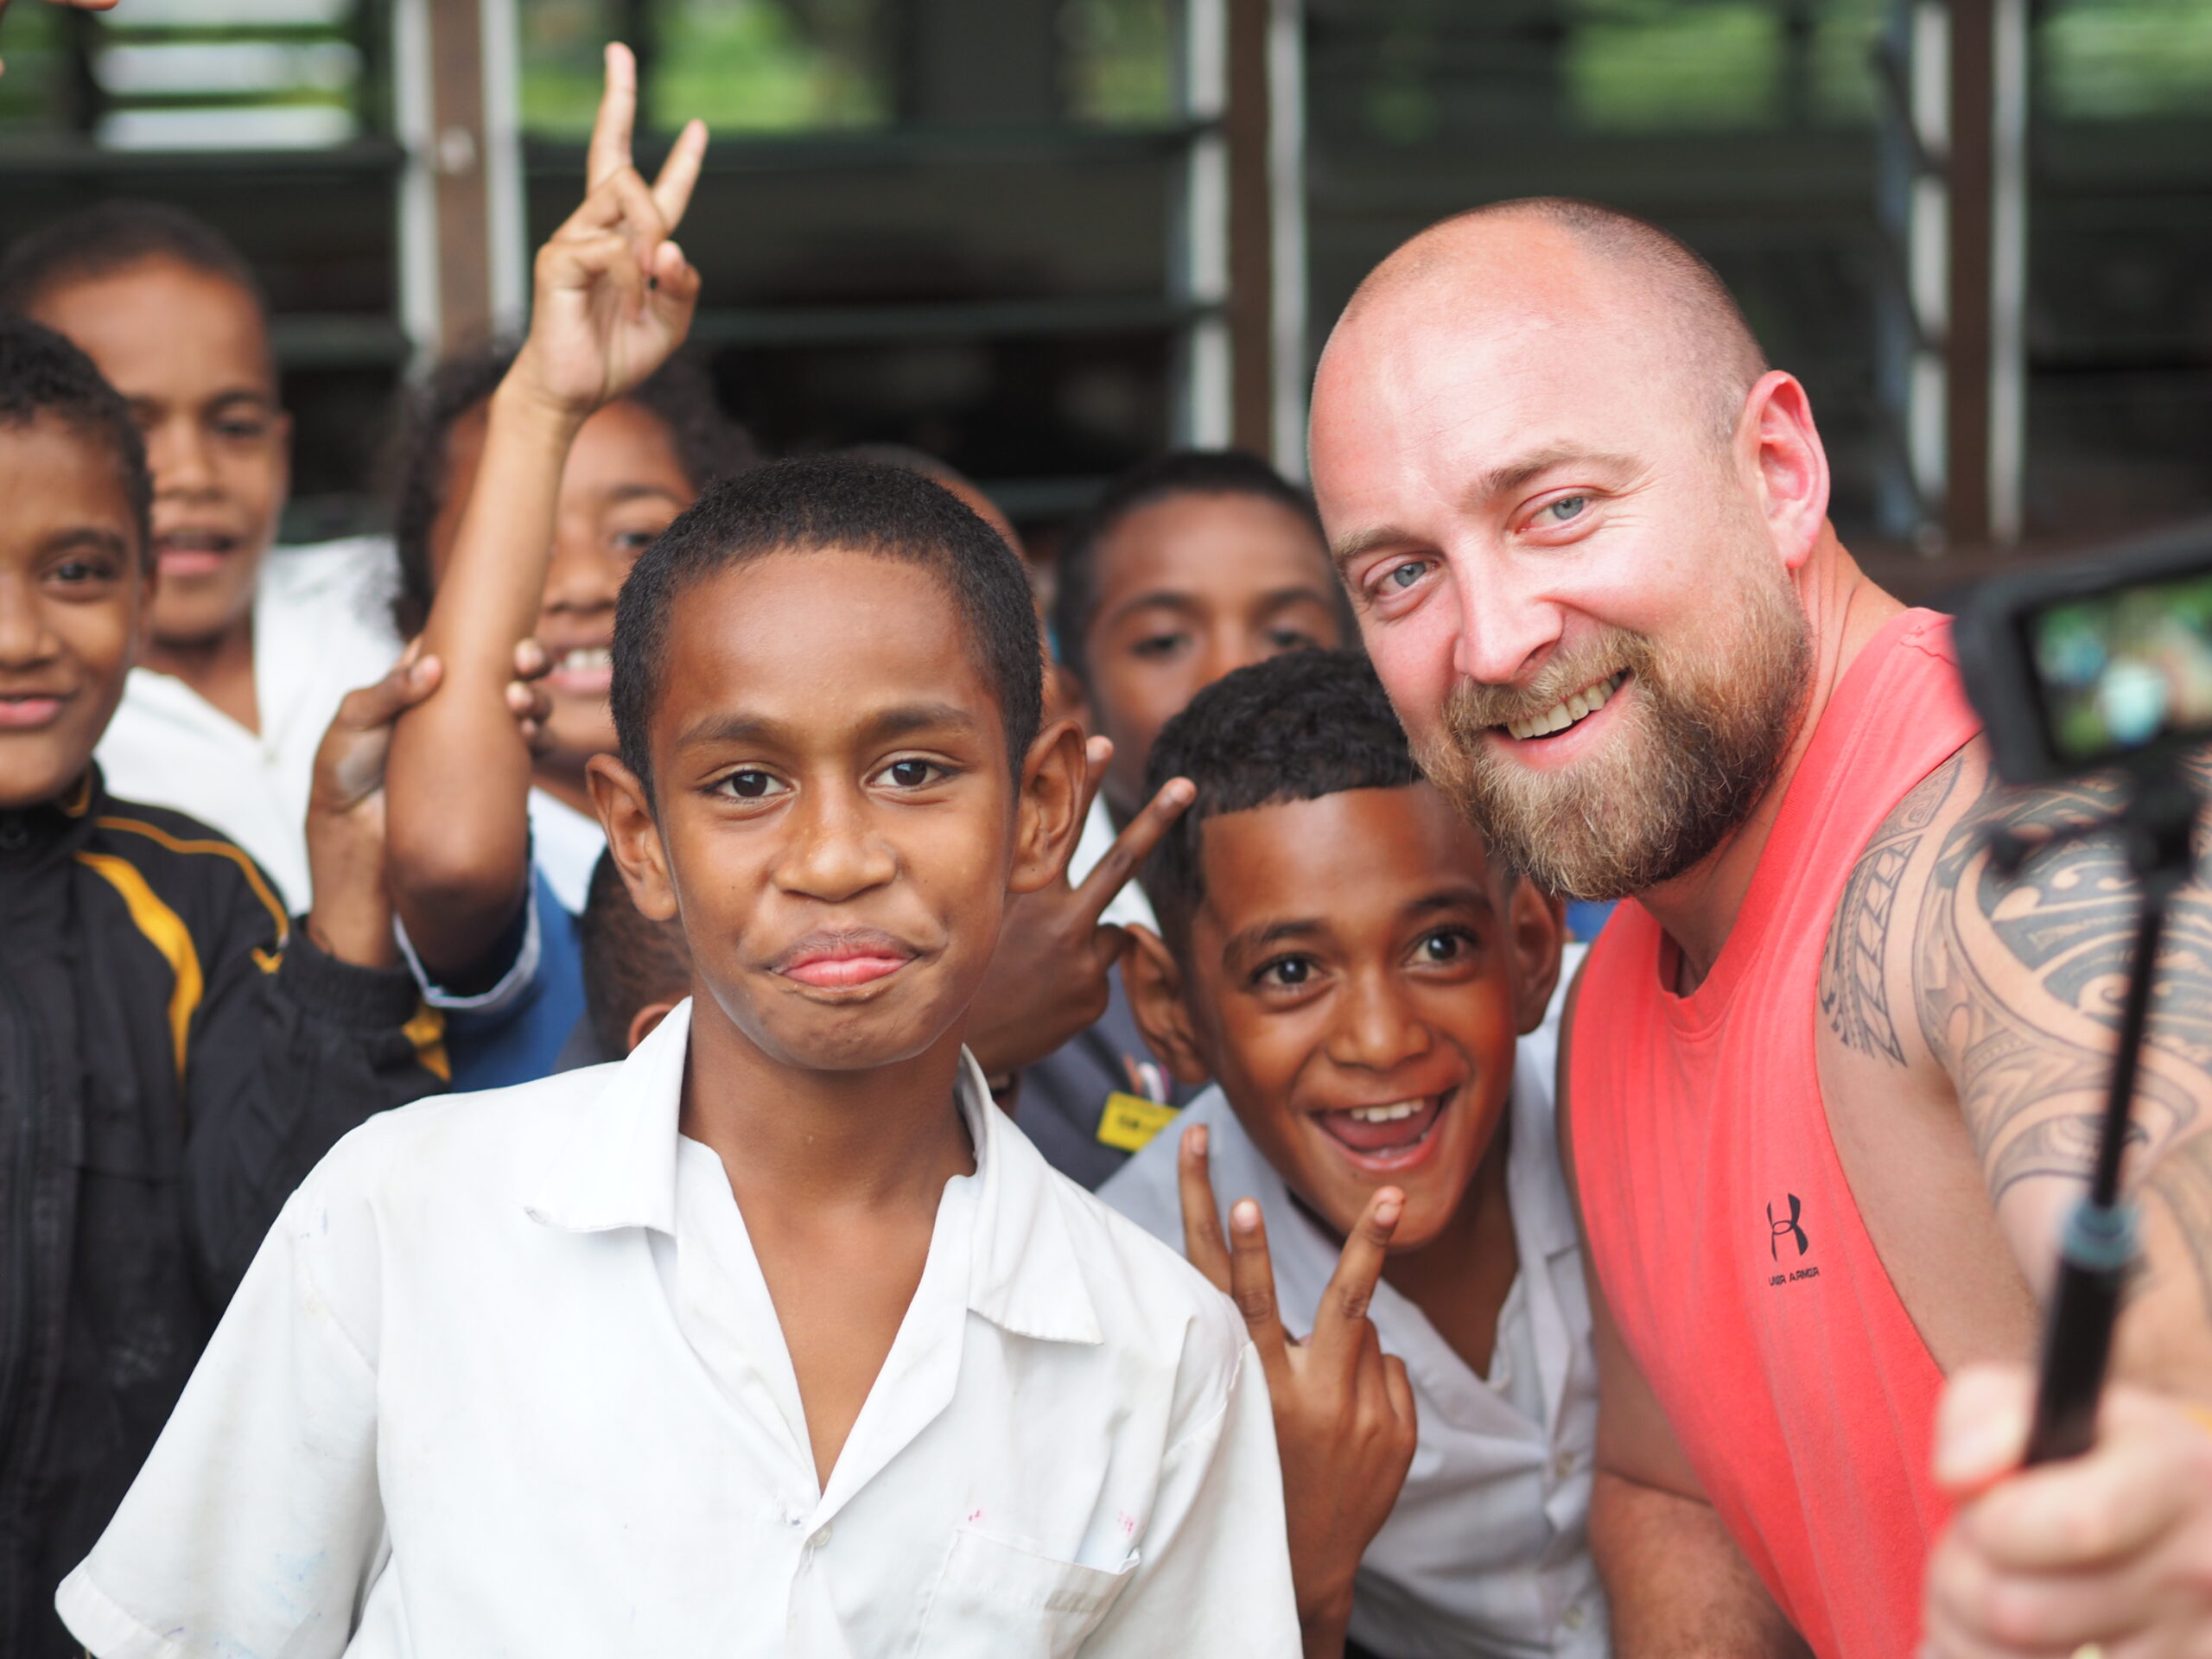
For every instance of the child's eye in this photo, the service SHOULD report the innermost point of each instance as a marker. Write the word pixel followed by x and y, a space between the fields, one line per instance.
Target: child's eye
pixel 76 572
pixel 1283 639
pixel 752 784
pixel 634 541
pixel 1449 944
pixel 910 774
pixel 1155 646
pixel 240 430
pixel 1288 973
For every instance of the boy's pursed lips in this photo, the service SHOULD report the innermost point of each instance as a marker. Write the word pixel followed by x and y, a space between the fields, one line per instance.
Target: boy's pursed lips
pixel 841 958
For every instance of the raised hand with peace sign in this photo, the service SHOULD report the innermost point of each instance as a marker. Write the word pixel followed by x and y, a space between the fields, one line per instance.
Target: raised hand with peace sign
pixel 1343 1410
pixel 614 297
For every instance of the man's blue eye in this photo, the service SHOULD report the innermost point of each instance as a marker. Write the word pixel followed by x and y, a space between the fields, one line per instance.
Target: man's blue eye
pixel 1406 575
pixel 1566 507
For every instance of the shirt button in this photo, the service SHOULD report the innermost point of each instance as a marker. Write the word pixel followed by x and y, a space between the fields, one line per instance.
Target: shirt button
pixel 821 1536
pixel 1562 1464
pixel 1572 1619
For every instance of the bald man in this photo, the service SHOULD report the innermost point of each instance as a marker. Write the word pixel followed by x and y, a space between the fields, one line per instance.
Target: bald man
pixel 1831 1081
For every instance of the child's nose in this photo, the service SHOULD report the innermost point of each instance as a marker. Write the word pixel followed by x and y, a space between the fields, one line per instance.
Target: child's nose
pixel 1377 1032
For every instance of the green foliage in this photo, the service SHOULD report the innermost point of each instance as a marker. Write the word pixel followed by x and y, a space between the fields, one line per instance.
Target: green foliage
pixel 1119 60
pixel 2115 59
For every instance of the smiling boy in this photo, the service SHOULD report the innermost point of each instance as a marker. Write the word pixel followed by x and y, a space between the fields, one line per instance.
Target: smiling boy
pixel 1368 987
pixel 777 1338
pixel 175 1051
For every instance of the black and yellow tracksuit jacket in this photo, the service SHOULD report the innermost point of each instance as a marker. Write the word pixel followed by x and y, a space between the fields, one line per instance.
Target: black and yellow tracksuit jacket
pixel 175 1057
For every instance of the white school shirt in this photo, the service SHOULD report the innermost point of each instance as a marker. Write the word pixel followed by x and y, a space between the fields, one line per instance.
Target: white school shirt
pixel 1130 904
pixel 322 628
pixel 506 1378
pixel 1487 1551
pixel 564 845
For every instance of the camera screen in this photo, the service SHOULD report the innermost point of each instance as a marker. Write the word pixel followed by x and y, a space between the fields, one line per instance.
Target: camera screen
pixel 2121 671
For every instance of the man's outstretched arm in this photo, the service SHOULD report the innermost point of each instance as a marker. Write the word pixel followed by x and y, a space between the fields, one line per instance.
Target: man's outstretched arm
pixel 2006 992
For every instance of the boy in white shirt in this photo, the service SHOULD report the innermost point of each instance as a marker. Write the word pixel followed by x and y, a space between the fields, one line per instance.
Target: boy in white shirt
pixel 775 1339
pixel 1348 964
pixel 252 651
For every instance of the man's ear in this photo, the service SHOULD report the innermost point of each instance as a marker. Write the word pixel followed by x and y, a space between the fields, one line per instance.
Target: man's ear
pixel 1538 924
pixel 1049 816
pixel 644 1022
pixel 1788 462
pixel 1153 980
pixel 625 812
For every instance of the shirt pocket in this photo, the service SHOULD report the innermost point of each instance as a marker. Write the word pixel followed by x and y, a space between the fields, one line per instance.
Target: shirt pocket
pixel 997 1600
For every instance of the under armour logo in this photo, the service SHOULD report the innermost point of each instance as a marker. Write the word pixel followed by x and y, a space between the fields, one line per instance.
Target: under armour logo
pixel 1776 1229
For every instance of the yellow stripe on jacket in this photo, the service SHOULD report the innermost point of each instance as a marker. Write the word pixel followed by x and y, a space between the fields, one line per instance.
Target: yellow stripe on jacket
pixel 166 932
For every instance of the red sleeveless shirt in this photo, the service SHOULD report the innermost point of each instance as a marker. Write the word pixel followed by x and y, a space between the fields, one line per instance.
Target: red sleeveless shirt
pixel 1720 1225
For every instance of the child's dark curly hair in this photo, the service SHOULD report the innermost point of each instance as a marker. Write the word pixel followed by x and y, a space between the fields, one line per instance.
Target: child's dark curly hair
pixel 711 446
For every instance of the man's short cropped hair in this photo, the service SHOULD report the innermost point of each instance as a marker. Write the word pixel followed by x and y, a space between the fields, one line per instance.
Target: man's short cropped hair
pixel 113 236
pixel 630 961
pixel 42 373
pixel 710 445
pixel 1180 472
pixel 814 506
pixel 1295 728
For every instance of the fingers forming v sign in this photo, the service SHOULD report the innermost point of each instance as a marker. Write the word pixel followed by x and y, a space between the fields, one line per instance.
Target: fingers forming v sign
pixel 614 294
pixel 1345 1417
pixel 1047 977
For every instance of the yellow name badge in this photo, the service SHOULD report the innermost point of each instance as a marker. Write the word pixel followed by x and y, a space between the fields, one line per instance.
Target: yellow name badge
pixel 1129 1122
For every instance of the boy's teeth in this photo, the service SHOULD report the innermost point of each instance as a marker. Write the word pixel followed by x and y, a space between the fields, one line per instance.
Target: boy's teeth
pixel 1390 1114
pixel 585 657
pixel 1563 715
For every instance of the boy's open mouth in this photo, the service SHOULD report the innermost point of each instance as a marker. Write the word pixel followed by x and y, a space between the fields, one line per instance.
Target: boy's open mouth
pixel 193 552
pixel 1388 1135
pixel 1571 711
pixel 840 961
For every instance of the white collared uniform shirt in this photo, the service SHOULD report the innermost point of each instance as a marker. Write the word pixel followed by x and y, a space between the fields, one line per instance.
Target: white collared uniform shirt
pixel 322 628
pixel 1486 1552
pixel 506 1378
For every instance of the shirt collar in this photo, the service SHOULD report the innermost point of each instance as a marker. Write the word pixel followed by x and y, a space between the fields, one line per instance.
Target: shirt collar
pixel 619 1170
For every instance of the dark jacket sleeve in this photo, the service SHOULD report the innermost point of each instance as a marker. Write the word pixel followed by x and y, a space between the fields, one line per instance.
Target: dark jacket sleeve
pixel 290 1050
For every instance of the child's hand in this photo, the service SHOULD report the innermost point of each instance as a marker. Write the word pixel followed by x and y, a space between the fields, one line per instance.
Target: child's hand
pixel 1047 978
pixel 352 918
pixel 1345 1420
pixel 614 295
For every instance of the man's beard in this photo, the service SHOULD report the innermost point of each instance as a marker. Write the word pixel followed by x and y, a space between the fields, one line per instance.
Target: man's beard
pixel 1703 730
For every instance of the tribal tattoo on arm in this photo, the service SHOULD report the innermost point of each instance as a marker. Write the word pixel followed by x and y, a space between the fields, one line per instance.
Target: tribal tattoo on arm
pixel 2018 983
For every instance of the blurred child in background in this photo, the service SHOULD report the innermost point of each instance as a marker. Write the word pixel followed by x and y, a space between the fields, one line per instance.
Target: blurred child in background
pixel 1189 566
pixel 251 653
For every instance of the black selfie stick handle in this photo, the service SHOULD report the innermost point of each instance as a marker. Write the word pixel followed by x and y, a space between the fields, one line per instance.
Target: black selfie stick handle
pixel 2099 1245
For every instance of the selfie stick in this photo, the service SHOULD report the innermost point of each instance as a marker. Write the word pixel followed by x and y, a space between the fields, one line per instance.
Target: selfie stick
pixel 2098 1248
